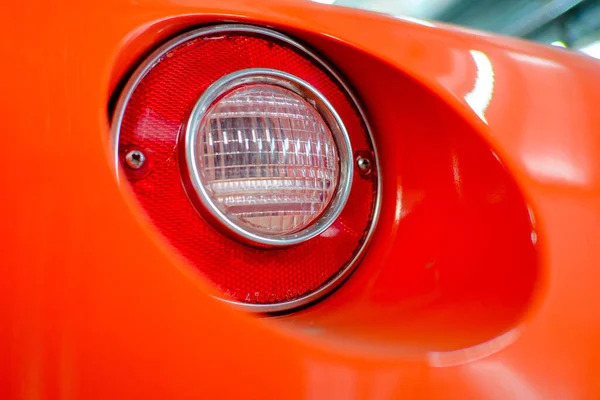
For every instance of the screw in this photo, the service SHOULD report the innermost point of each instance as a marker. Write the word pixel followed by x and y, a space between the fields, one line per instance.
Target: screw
pixel 135 159
pixel 364 164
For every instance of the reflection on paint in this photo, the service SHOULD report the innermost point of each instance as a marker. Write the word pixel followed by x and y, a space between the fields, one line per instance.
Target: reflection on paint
pixel 533 60
pixel 456 175
pixel 534 236
pixel 470 354
pixel 328 380
pixel 592 50
pixel 480 97
pixel 416 21
pixel 496 380
pixel 555 166
pixel 398 214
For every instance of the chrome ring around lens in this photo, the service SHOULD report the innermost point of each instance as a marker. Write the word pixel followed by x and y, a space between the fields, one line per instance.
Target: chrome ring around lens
pixel 197 190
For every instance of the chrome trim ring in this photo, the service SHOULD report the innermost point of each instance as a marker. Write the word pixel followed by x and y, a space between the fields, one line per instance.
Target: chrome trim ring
pixel 155 58
pixel 325 109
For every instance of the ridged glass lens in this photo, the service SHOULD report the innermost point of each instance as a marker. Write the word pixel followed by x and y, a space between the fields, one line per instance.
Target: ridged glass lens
pixel 267 159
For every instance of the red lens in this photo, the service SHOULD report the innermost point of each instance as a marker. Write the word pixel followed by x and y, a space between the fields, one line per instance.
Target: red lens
pixel 155 115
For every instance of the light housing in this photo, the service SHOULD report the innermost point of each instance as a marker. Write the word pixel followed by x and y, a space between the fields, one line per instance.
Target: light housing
pixel 154 115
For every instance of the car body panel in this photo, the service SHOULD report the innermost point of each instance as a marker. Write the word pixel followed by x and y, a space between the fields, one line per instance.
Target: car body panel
pixel 94 305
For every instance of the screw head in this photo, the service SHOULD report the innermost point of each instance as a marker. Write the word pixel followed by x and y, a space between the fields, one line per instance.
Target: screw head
pixel 135 159
pixel 364 164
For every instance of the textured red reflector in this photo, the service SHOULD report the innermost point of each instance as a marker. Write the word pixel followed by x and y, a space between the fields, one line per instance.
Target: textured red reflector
pixel 162 95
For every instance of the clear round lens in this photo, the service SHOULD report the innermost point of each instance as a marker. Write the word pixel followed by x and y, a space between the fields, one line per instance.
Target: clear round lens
pixel 267 159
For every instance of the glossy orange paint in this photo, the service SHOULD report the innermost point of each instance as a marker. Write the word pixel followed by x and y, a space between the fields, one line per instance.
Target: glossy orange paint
pixel 94 305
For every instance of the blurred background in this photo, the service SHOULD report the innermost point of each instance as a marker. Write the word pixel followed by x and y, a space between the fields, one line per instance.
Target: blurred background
pixel 566 23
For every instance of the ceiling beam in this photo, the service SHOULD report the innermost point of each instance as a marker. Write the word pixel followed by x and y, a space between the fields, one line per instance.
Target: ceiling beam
pixel 529 23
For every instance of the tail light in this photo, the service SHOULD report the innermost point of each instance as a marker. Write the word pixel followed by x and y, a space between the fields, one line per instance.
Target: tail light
pixel 241 146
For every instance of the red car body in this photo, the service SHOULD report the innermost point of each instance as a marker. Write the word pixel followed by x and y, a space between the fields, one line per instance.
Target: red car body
pixel 481 279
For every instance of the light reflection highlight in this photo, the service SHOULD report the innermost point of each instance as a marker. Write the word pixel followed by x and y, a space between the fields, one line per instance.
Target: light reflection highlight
pixel 416 21
pixel 533 60
pixel 330 381
pixel 555 166
pixel 456 175
pixel 592 50
pixel 458 357
pixel 496 380
pixel 480 97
